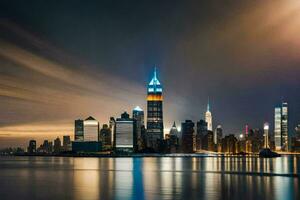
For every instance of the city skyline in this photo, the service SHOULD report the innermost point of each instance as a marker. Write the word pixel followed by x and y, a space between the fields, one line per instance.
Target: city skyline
pixel 52 74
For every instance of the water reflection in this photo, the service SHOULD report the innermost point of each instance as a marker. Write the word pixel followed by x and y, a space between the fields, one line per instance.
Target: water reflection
pixel 149 178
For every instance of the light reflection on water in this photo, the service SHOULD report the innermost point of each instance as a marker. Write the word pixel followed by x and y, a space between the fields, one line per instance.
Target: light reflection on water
pixel 149 178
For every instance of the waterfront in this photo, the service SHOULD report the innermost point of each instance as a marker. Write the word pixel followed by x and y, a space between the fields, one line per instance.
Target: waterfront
pixel 149 178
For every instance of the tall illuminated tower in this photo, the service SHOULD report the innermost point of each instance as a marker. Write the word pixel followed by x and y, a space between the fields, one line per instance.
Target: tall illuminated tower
pixel 281 127
pixel 155 126
pixel 208 117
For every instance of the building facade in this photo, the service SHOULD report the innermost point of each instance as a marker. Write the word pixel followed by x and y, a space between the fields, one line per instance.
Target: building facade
pixel 32 146
pixel 125 127
pixel 201 132
pixel 138 116
pixel 105 136
pixel 78 130
pixel 91 130
pixel 67 145
pixel 281 127
pixel 188 136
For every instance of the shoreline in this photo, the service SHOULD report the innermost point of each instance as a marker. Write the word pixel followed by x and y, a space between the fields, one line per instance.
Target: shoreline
pixel 197 155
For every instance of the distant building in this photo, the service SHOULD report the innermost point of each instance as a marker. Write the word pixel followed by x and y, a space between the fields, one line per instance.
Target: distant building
pixel 208 118
pixel 174 131
pixel 173 139
pixel 255 141
pixel 79 133
pixel 218 134
pixel 229 144
pixel 125 127
pixel 112 127
pixel 155 126
pixel 295 141
pixel 57 145
pixel 246 131
pixel 266 135
pixel 208 141
pixel 138 116
pixel 67 145
pixel 188 137
pixel 105 136
pixel 281 127
pixel 91 129
pixel 46 147
pixel 201 132
pixel 31 147
pixel 297 131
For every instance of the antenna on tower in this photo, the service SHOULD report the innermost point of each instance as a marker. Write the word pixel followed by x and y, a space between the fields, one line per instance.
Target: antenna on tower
pixel 155 72
pixel 208 105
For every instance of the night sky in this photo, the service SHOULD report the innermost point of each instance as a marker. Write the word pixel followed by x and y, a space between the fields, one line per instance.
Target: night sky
pixel 63 60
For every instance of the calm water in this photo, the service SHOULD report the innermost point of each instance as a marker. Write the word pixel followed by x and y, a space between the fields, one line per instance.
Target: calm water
pixel 149 178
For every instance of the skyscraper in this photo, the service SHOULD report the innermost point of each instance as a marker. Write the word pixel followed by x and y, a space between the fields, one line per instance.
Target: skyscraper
pixel 218 134
pixel 138 116
pixel 112 127
pixel 284 126
pixel 32 146
pixel 105 136
pixel 208 117
pixel 67 145
pixel 57 145
pixel 188 137
pixel 201 132
pixel 78 130
pixel 125 127
pixel 281 127
pixel 174 131
pixel 155 127
pixel 266 135
pixel 91 129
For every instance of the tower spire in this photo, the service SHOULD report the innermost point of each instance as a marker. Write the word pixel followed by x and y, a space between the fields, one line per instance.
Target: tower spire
pixel 174 125
pixel 208 105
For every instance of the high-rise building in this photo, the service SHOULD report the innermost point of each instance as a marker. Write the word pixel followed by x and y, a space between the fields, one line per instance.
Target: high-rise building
pixel 229 144
pixel 125 127
pixel 112 127
pixel 91 129
pixel 281 127
pixel 201 132
pixel 32 146
pixel 297 131
pixel 266 135
pixel 78 130
pixel 208 118
pixel 295 140
pixel 67 145
pixel 46 147
pixel 218 134
pixel 188 137
pixel 208 141
pixel 155 126
pixel 138 116
pixel 284 126
pixel 277 128
pixel 246 130
pixel 57 145
pixel 105 135
pixel 174 131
